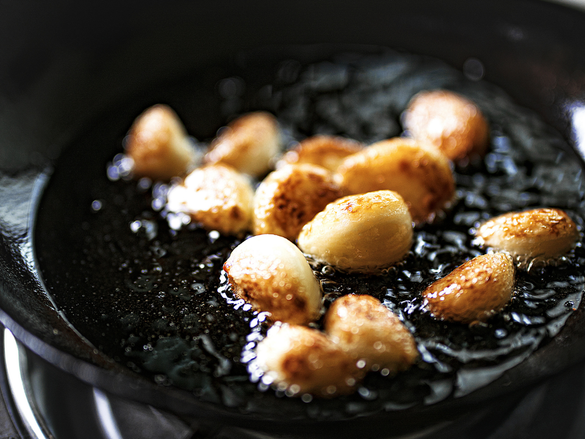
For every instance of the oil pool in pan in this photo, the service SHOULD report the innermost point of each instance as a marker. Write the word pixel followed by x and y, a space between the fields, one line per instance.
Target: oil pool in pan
pixel 153 297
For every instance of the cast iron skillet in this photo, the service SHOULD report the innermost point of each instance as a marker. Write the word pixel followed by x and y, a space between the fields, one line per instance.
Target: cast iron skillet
pixel 63 65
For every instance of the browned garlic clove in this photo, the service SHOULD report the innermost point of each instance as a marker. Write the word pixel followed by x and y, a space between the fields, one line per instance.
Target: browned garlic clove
pixel 362 233
pixel 217 196
pixel 450 122
pixel 371 333
pixel 272 274
pixel 474 291
pixel 322 150
pixel 249 144
pixel 304 361
pixel 535 236
pixel 420 174
pixel 158 145
pixel 290 197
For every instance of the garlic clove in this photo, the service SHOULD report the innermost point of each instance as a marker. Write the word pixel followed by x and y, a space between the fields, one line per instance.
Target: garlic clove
pixel 272 274
pixel 217 196
pixel 249 144
pixel 361 233
pixel 536 236
pixel 158 145
pixel 420 174
pixel 371 333
pixel 290 197
pixel 322 150
pixel 302 360
pixel 474 291
pixel 450 122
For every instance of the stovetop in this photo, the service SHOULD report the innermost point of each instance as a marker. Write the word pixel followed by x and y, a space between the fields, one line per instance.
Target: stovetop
pixel 39 401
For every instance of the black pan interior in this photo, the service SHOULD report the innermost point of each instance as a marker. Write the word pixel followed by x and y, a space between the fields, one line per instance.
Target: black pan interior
pixel 149 296
pixel 554 84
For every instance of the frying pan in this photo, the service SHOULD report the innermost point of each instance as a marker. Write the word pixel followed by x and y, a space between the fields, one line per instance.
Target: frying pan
pixel 64 65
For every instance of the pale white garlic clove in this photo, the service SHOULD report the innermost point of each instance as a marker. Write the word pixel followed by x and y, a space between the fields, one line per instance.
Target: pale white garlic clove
pixel 272 274
pixel 452 123
pixel 536 236
pixel 371 333
pixel 158 145
pixel 474 291
pixel 361 233
pixel 302 360
pixel 249 144
pixel 217 196
pixel 322 150
pixel 290 197
pixel 420 174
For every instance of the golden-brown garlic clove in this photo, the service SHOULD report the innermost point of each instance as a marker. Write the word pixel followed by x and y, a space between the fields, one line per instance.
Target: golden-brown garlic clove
pixel 370 332
pixel 450 122
pixel 304 361
pixel 217 196
pixel 158 145
pixel 420 174
pixel 536 236
pixel 272 274
pixel 474 291
pixel 322 150
pixel 249 144
pixel 361 233
pixel 290 197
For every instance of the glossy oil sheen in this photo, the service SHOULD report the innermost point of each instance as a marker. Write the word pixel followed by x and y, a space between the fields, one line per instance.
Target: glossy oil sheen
pixel 153 298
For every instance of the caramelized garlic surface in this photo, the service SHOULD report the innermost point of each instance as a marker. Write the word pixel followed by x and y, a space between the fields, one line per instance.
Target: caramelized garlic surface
pixel 272 274
pixel 361 233
pixel 420 174
pixel 302 360
pixel 290 197
pixel 450 122
pixel 322 150
pixel 536 236
pixel 217 196
pixel 371 333
pixel 474 291
pixel 249 144
pixel 158 145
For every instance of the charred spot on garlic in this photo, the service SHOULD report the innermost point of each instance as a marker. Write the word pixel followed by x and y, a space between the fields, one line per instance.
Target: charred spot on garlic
pixel 370 332
pixel 272 274
pixel 302 360
pixel 474 291
pixel 290 197
pixel 216 196
pixel 322 150
pixel 360 233
pixel 448 121
pixel 249 144
pixel 533 238
pixel 158 145
pixel 419 173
